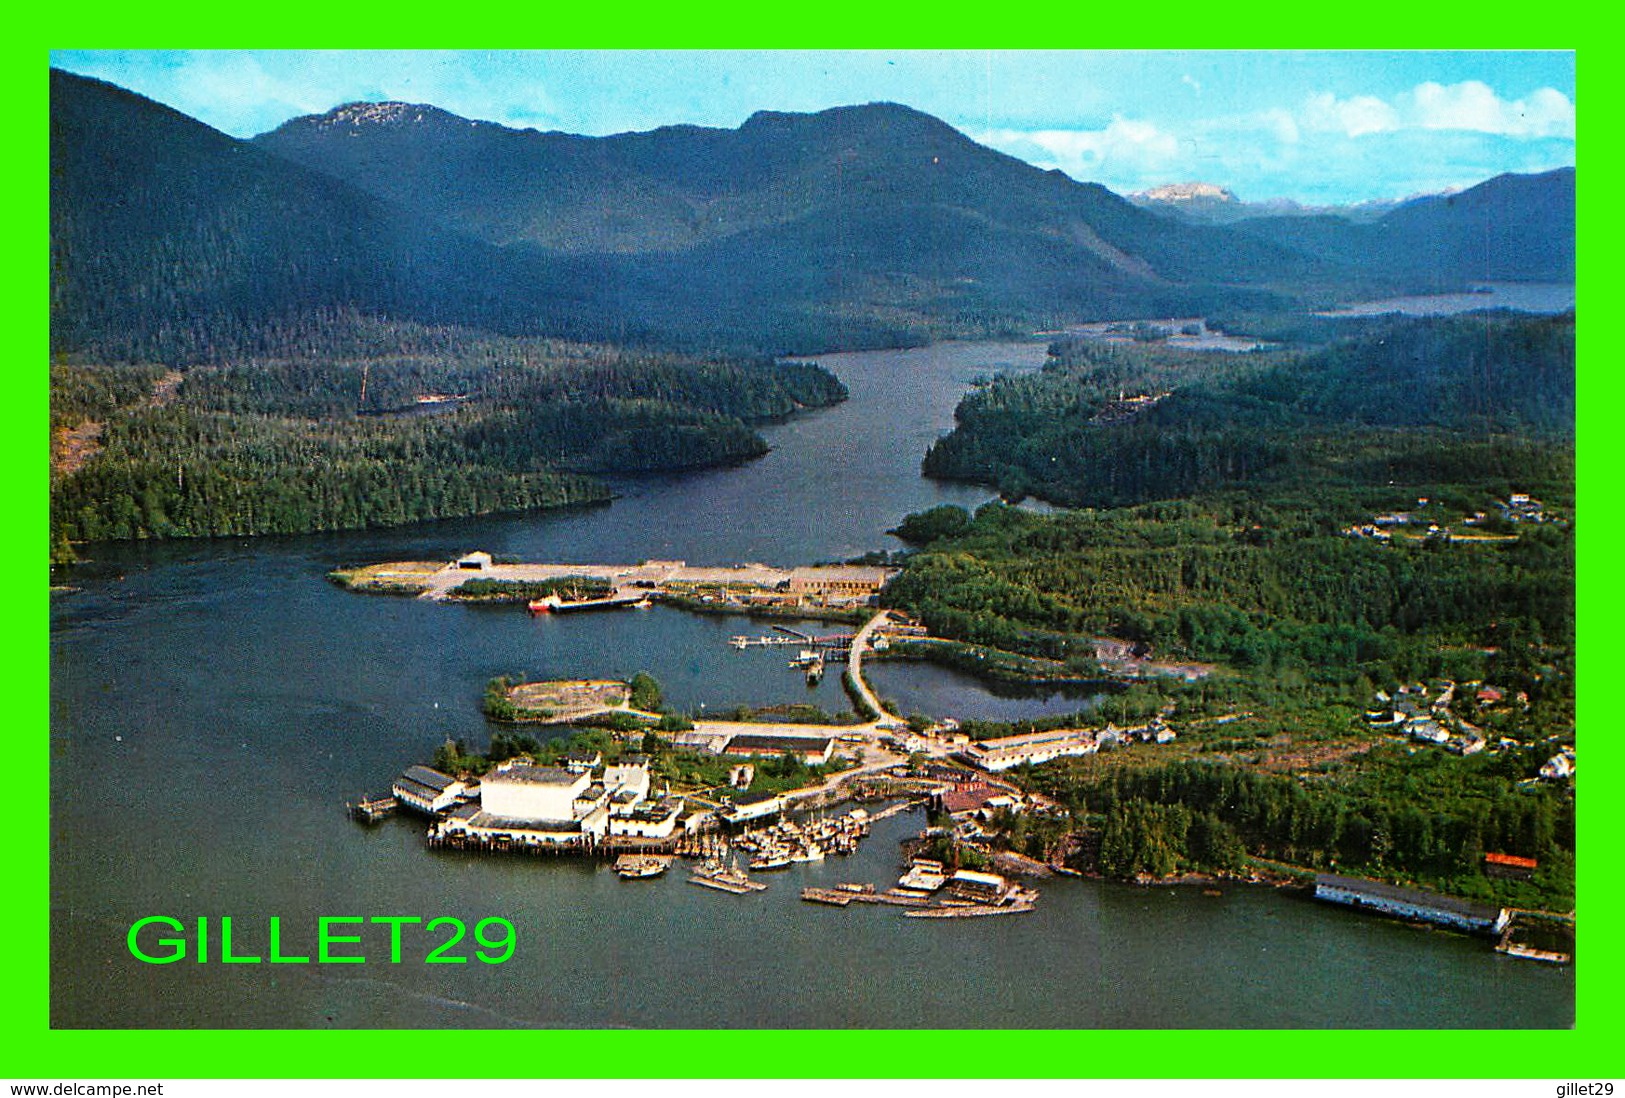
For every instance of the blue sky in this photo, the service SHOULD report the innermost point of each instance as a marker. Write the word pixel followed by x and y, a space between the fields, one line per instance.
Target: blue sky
pixel 1316 127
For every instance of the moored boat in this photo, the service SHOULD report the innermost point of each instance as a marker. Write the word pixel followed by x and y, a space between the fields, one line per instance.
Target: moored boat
pixel 632 867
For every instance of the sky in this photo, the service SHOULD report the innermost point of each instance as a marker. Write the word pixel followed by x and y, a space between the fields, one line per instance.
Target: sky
pixel 1319 128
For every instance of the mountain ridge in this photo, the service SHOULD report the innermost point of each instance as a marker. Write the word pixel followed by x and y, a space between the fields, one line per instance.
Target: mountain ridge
pixel 863 225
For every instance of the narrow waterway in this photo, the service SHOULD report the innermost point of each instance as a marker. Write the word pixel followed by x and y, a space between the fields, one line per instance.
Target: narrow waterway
pixel 215 703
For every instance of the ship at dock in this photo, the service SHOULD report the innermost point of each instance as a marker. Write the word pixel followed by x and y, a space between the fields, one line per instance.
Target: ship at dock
pixel 724 877
pixel 636 867
pixel 558 604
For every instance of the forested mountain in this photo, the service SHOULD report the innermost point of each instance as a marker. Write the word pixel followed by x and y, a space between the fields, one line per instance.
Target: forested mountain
pixel 171 240
pixel 851 211
pixel 1512 228
pixel 678 187
pixel 1475 397
pixel 856 226
pixel 362 423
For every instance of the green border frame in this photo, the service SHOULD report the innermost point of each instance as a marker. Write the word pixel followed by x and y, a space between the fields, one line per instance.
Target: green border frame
pixel 1587 1052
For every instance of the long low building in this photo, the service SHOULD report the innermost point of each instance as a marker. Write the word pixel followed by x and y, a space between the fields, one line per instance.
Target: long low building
pixel 753 806
pixel 1032 747
pixel 1410 903
pixel 427 790
pixel 470 822
pixel 812 751
pixel 813 743
pixel 838 583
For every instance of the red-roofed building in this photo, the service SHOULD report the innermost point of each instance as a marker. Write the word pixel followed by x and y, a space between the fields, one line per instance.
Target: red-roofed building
pixel 1509 865
pixel 967 798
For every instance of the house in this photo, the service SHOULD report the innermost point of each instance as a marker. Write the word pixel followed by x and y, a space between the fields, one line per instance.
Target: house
pixel 1558 767
pixel 740 777
pixel 590 798
pixel 426 790
pixel 475 562
pixel 579 762
pixel 1427 731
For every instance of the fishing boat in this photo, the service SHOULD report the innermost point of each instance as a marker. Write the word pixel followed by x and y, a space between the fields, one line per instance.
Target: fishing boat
pixel 713 874
pixel 770 859
pixel 633 867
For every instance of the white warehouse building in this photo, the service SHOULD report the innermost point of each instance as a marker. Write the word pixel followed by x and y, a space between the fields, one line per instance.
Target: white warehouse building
pixel 526 792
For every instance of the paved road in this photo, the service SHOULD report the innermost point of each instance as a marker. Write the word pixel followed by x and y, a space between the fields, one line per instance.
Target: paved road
pixel 854 663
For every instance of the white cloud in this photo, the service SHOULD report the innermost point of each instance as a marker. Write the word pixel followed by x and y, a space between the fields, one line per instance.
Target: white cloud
pixel 1281 125
pixel 1355 117
pixel 1472 105
pixel 1124 143
pixel 1191 82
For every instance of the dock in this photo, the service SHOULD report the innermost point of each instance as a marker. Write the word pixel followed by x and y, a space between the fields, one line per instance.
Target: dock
pixel 725 879
pixel 728 884
pixel 970 911
pixel 844 895
pixel 372 809
pixel 899 807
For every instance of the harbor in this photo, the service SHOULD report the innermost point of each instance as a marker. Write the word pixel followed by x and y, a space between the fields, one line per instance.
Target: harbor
pixel 307 697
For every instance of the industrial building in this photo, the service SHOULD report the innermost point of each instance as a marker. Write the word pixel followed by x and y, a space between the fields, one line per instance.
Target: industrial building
pixel 815 751
pixel 1033 747
pixel 427 790
pixel 1410 903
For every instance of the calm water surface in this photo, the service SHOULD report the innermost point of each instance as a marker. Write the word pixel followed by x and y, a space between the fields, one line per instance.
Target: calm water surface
pixel 214 704
pixel 1527 297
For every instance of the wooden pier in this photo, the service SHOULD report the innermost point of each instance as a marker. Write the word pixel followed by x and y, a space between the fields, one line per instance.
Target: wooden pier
pixel 844 895
pixel 372 809
pixel 969 911
pixel 736 883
